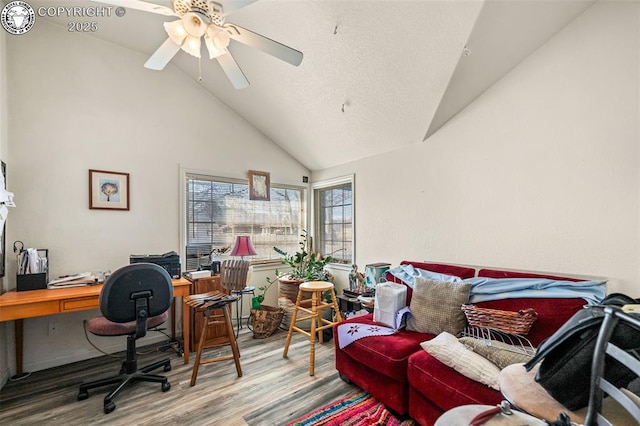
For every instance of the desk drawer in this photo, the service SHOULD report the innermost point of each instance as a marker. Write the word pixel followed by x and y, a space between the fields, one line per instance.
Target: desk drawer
pixel 79 304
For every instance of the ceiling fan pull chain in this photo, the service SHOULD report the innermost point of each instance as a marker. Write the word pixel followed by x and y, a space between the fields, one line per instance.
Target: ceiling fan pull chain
pixel 199 70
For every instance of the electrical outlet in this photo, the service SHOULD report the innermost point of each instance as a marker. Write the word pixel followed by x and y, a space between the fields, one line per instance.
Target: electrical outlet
pixel 53 329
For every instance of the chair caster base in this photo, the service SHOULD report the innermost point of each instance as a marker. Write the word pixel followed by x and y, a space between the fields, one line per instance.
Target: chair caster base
pixel 109 407
pixel 166 386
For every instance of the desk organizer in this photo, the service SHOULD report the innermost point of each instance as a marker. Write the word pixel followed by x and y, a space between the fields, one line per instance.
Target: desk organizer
pixel 38 281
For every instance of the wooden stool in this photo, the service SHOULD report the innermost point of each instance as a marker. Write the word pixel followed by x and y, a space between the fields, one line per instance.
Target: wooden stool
pixel 217 312
pixel 318 324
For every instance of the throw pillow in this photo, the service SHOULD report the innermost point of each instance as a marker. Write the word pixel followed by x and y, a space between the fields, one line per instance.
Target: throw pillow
pixel 448 350
pixel 436 307
pixel 499 353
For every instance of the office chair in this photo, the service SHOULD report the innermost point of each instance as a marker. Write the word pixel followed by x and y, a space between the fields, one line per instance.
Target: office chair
pixel 621 407
pixel 134 298
pixel 233 277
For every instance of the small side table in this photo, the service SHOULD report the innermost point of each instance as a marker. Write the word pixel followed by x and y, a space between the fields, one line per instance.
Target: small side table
pixel 348 304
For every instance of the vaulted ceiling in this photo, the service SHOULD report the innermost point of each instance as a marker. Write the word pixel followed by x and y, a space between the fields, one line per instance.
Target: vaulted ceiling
pixel 376 75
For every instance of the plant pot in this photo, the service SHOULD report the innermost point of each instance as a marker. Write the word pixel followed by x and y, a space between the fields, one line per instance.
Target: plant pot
pixel 287 295
pixel 265 321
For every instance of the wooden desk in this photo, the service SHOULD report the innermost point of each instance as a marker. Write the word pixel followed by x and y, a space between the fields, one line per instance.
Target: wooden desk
pixel 16 306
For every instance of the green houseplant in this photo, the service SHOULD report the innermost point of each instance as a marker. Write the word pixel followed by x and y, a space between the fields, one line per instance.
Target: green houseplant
pixel 305 266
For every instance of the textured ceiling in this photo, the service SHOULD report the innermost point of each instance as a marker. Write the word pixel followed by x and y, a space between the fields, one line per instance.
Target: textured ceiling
pixel 374 73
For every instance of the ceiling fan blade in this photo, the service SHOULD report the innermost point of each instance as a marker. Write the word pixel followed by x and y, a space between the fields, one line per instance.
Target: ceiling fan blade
pixel 230 6
pixel 233 71
pixel 265 44
pixel 162 56
pixel 140 5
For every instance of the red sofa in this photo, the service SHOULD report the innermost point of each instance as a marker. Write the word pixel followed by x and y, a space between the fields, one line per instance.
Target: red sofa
pixel 409 381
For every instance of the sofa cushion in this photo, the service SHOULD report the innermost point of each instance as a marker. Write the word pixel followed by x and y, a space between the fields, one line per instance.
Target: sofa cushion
pixel 499 353
pixel 408 273
pixel 443 268
pixel 499 273
pixel 388 355
pixel 436 307
pixel 444 386
pixel 448 350
pixel 455 270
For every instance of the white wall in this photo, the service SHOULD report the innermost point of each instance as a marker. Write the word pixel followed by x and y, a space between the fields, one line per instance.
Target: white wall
pixel 540 173
pixel 4 368
pixel 78 103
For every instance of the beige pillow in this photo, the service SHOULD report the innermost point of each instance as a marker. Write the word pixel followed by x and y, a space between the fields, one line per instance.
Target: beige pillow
pixel 436 306
pixel 499 353
pixel 448 350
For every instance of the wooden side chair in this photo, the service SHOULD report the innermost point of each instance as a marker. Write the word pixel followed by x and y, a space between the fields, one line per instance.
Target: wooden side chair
pixel 233 278
pixel 216 313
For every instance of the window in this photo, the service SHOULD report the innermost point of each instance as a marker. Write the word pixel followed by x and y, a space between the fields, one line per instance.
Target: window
pixel 333 201
pixel 219 209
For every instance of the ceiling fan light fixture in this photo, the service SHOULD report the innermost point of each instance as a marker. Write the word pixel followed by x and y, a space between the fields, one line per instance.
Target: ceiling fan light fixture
pixel 195 23
pixel 216 41
pixel 175 31
pixel 192 46
pixel 214 52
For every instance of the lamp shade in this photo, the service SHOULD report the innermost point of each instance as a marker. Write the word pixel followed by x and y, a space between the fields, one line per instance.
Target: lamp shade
pixel 243 247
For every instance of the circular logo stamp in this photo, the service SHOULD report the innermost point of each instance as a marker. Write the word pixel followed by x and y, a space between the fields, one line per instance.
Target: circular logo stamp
pixel 17 17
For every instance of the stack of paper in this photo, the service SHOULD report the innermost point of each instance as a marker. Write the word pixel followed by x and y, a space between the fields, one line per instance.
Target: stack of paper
pixel 76 280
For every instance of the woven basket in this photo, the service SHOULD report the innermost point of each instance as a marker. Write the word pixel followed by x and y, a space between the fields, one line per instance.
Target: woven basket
pixel 265 321
pixel 508 321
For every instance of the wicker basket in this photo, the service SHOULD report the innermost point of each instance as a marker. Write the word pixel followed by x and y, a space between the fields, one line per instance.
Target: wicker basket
pixel 508 321
pixel 265 321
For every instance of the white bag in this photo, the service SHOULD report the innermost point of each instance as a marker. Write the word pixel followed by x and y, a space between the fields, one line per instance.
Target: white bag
pixel 391 298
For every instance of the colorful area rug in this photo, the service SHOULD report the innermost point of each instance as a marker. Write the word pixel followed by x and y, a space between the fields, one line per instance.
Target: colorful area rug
pixel 357 409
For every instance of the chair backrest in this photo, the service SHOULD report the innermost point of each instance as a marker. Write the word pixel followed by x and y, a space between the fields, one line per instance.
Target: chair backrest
pixel 614 317
pixel 233 274
pixel 136 292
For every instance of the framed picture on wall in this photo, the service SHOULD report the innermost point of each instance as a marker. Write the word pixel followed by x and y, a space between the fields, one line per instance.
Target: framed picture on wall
pixel 108 190
pixel 259 185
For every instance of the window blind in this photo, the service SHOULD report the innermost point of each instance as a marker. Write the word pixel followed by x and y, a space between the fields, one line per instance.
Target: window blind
pixel 219 209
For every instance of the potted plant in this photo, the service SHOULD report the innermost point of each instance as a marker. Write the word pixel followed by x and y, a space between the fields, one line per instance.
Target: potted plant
pixel 305 266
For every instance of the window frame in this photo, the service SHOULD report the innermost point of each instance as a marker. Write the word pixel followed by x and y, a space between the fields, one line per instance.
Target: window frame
pixel 230 179
pixel 316 187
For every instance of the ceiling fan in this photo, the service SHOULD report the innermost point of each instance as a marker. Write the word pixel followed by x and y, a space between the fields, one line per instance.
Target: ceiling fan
pixel 200 19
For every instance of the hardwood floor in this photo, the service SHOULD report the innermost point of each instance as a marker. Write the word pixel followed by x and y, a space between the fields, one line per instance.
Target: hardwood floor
pixel 272 391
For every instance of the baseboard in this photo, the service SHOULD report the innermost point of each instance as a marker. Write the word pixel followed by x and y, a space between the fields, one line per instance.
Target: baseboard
pixel 87 354
pixel 4 376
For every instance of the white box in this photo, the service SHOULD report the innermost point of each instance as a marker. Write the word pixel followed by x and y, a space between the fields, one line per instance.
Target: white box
pixel 199 274
pixel 391 298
